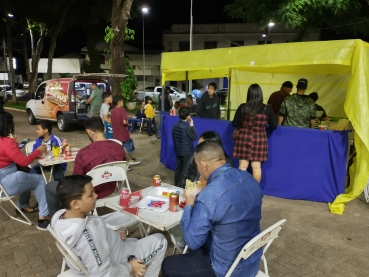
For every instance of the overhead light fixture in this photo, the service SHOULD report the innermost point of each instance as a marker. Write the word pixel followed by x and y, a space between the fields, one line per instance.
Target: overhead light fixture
pixel 145 10
pixel 10 15
pixel 271 24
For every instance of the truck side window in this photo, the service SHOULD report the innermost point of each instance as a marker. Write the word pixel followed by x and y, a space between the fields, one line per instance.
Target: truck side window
pixel 40 92
pixel 158 89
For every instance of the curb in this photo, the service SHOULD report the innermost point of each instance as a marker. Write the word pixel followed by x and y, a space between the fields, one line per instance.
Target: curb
pixel 14 109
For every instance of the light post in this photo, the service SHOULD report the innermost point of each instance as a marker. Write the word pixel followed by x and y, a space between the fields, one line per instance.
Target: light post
pixel 144 10
pixel 191 40
pixel 270 25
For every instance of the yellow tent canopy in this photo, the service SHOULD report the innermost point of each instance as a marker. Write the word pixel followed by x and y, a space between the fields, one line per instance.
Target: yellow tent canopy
pixel 338 70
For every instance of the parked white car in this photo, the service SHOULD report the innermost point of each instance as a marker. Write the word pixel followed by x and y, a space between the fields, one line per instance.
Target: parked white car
pixel 6 92
pixel 26 85
pixel 153 92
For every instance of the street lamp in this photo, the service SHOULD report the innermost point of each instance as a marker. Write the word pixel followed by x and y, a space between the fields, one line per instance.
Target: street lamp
pixel 191 40
pixel 270 25
pixel 10 15
pixel 144 10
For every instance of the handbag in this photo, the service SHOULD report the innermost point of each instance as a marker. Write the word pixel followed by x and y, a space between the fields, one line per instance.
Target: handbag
pixel 236 133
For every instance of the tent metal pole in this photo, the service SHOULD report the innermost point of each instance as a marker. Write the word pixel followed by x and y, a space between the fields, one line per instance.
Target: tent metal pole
pixel 229 96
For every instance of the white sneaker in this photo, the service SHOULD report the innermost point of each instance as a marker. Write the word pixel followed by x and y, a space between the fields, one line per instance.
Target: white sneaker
pixel 134 161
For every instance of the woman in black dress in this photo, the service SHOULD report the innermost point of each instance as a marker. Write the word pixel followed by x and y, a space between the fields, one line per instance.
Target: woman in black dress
pixel 251 144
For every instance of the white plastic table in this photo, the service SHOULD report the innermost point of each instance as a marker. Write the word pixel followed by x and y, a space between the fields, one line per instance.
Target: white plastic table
pixel 163 221
pixel 50 160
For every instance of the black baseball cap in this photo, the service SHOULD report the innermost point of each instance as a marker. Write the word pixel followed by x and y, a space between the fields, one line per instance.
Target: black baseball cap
pixel 287 84
pixel 302 83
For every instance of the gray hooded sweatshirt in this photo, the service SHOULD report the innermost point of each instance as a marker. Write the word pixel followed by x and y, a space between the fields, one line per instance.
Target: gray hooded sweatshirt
pixel 100 249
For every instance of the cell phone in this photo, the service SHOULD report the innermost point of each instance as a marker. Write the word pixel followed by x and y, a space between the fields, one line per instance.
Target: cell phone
pixel 23 143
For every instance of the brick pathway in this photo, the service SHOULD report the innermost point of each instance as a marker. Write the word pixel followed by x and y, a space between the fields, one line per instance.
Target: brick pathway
pixel 313 242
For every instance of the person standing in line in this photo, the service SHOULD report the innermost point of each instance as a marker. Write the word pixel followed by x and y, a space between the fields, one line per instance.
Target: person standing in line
pixel 168 104
pixel 95 99
pixel 209 106
pixel 319 110
pixel 183 137
pixel 105 113
pixel 191 104
pixel 251 144
pixel 119 121
pixel 298 109
pixel 276 98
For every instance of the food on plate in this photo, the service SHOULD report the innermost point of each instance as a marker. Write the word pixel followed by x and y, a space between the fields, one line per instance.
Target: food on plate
pixel 193 187
pixel 167 193
pixel 156 204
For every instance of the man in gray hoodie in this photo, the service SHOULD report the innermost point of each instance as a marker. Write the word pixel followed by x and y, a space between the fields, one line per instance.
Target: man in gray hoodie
pixel 104 252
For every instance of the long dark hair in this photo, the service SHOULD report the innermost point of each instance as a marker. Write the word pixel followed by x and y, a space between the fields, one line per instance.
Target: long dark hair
pixel 213 136
pixel 6 124
pixel 253 101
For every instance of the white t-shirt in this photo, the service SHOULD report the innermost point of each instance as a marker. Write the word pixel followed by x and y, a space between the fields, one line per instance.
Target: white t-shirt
pixel 104 110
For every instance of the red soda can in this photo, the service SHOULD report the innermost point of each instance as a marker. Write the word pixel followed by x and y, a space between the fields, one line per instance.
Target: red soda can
pixel 156 181
pixel 173 202
pixel 124 198
pixel 171 112
pixel 174 113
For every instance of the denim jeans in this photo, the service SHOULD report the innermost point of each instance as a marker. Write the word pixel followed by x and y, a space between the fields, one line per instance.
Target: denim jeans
pixel 18 182
pixel 58 172
pixel 196 263
pixel 133 122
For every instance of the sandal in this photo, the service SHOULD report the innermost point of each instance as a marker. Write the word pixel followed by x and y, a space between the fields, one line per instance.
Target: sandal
pixel 28 210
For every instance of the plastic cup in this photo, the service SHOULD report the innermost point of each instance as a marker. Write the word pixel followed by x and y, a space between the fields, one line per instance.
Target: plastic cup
pixel 56 151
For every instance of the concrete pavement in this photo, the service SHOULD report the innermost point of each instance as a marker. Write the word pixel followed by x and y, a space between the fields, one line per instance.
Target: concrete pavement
pixel 313 242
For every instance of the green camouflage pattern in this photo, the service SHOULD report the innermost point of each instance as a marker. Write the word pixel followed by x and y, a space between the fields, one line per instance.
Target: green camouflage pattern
pixel 297 110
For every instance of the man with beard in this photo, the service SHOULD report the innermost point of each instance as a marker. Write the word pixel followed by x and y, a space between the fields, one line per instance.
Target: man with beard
pixel 100 151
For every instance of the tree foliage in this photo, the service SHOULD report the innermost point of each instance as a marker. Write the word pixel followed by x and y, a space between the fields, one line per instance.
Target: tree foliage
pixel 93 66
pixel 129 84
pixel 344 16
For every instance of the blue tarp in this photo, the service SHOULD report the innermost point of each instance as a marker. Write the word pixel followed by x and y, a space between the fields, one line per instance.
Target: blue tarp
pixel 304 164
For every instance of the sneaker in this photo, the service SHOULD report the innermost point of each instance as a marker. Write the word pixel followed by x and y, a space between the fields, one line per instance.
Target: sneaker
pixel 42 224
pixel 133 162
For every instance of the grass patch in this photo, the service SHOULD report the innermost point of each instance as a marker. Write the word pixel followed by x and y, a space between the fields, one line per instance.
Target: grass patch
pixel 21 105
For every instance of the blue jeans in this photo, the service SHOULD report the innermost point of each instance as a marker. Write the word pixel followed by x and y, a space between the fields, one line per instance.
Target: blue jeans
pixel 58 172
pixel 196 263
pixel 133 122
pixel 19 182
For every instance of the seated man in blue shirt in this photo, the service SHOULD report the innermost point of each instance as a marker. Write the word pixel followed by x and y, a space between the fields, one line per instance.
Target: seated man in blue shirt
pixel 136 119
pixel 219 221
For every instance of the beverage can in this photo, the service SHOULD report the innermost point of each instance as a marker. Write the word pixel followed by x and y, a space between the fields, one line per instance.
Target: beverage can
pixel 171 112
pixel 174 202
pixel 68 151
pixel 174 113
pixel 156 181
pixel 124 197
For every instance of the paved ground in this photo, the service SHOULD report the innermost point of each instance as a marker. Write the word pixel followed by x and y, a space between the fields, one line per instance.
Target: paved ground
pixel 314 242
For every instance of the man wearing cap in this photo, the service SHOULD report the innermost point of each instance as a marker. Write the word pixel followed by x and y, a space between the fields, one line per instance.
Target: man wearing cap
pixel 298 109
pixel 276 98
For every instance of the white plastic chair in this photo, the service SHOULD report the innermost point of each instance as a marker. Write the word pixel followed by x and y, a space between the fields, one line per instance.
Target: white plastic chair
pixel 29 147
pixel 68 255
pixel 122 164
pixel 4 196
pixel 106 174
pixel 264 238
pixel 366 192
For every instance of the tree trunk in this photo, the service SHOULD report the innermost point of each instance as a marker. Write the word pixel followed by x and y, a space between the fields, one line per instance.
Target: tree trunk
pixel 54 36
pixel 36 53
pixel 10 55
pixel 120 15
pixel 25 56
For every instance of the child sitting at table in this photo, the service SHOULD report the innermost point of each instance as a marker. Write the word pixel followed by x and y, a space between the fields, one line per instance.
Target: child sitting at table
pixel 103 251
pixel 43 130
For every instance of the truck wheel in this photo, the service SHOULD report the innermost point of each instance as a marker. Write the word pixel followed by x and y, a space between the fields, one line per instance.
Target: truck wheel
pixel 63 126
pixel 31 118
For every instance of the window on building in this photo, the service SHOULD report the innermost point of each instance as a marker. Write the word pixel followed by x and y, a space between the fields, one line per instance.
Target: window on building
pixel 149 78
pixel 140 78
pixel 210 44
pixel 237 43
pixel 184 46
